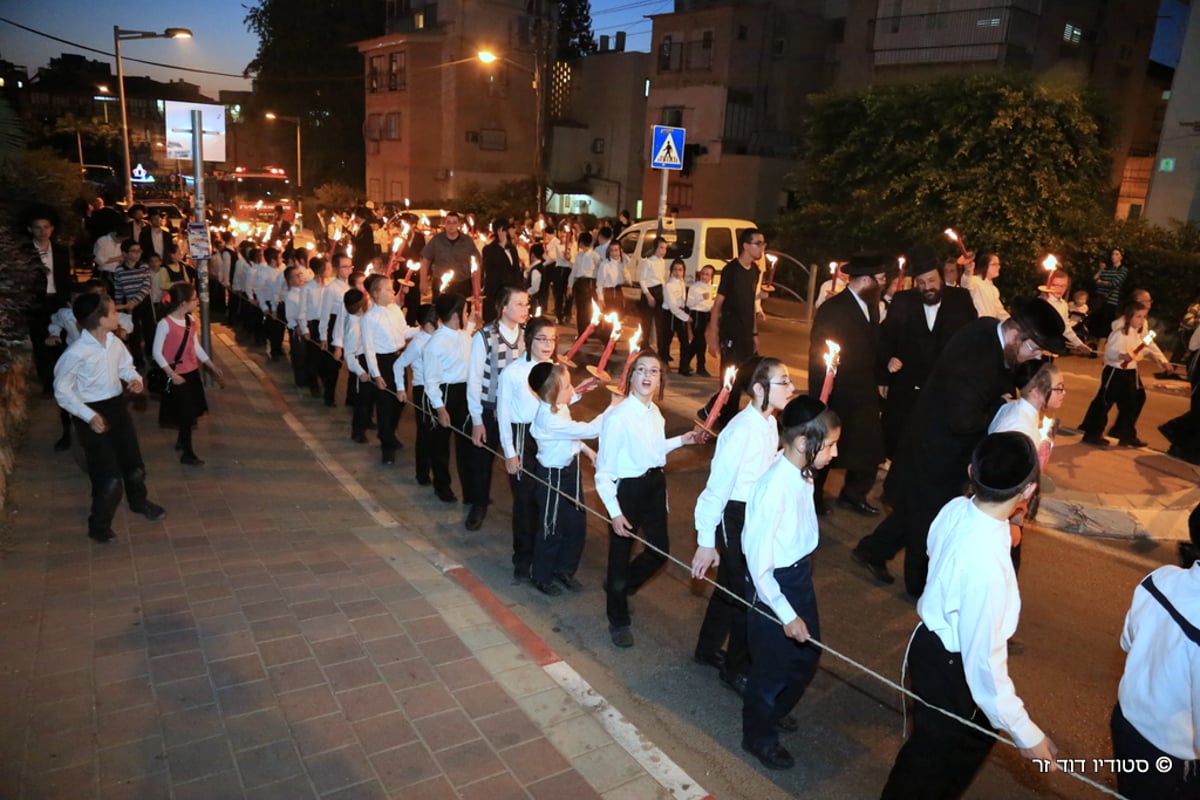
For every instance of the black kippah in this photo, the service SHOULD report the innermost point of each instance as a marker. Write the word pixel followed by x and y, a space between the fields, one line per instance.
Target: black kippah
pixel 1004 461
pixel 801 410
pixel 539 374
pixel 85 305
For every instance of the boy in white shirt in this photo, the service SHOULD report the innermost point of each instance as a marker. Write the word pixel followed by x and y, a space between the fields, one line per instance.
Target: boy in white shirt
pixel 700 298
pixel 675 318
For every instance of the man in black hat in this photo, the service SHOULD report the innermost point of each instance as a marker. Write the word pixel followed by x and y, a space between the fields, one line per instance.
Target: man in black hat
pixel 851 319
pixel 956 403
pixel 919 325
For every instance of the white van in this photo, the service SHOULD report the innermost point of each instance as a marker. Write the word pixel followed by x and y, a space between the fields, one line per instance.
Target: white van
pixel 699 241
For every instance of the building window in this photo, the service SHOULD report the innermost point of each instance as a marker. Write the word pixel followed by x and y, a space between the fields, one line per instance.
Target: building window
pixel 1072 34
pixel 493 139
pixel 670 54
pixel 375 73
pixel 374 126
pixel 897 11
pixel 497 80
pixel 988 22
pixel 397 72
pixel 673 116
pixel 391 127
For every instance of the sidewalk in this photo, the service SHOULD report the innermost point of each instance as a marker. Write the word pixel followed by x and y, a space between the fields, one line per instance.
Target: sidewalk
pixel 279 635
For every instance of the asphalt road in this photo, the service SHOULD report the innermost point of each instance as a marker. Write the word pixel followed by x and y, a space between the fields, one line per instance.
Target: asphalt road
pixel 1075 593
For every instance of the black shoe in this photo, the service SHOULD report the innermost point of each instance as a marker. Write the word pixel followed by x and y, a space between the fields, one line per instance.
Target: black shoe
pixel 622 636
pixel 736 684
pixel 191 460
pixel 878 569
pixel 359 438
pixel 388 459
pixel 475 518
pixel 372 426
pixel 569 583
pixel 423 480
pixel 703 373
pixel 686 373
pixel 1132 442
pixel 1095 440
pixel 63 444
pixel 521 575
pixel 446 496
pixel 713 659
pixel 550 589
pixel 787 723
pixel 861 506
pixel 772 756
pixel 151 511
pixel 103 537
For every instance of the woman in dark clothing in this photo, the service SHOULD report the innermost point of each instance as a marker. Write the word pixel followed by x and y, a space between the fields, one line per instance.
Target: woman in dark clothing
pixel 501 266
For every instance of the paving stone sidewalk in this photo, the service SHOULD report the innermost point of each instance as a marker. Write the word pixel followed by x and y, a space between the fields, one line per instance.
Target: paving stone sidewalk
pixel 269 639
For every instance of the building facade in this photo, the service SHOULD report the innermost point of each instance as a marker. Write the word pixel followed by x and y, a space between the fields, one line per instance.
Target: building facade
pixel 1175 181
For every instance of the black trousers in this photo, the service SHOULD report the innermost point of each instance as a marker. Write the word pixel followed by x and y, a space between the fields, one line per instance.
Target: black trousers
pixel 141 344
pixel 906 528
pixel 216 293
pixel 1180 782
pixel 477 478
pixel 780 668
pixel 699 348
pixel 680 329
pixel 526 501
pixel 941 756
pixel 585 292
pixel 652 321
pixel 562 528
pixel 644 501
pixel 114 461
pixel 426 422
pixel 1123 387
pixel 296 345
pixel 313 356
pixel 559 286
pixel 275 326
pixel 454 395
pixel 331 368
pixel 725 618
pixel 858 484
pixel 44 355
pixel 364 401
pixel 388 407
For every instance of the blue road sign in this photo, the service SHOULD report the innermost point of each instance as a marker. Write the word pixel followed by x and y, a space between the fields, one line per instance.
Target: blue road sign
pixel 666 147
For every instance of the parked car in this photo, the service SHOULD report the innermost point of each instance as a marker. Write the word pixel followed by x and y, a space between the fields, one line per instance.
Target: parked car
pixel 699 241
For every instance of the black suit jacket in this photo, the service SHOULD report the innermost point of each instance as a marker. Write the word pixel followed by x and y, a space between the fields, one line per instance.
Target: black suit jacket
pixel 501 267
pixel 147 243
pixel 855 395
pixel 63 279
pixel 364 246
pixel 956 404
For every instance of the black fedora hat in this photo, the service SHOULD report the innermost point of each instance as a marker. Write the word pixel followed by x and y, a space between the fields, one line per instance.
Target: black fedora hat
pixel 1040 322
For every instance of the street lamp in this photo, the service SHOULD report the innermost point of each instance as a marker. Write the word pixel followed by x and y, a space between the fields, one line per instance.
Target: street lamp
pixel 119 36
pixel 299 193
pixel 488 57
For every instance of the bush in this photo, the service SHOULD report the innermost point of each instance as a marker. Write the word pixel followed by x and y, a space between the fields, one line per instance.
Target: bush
pixel 336 195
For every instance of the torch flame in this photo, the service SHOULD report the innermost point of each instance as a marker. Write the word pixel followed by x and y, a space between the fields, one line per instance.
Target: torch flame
pixel 772 259
pixel 310 246
pixel 635 340
pixel 730 376
pixel 1149 337
pixel 406 202
pixel 538 312
pixel 595 313
pixel 902 261
pixel 1050 263
pixel 832 351
pixel 833 268
pixel 951 235
pixel 337 235
pixel 1047 426
pixel 413 266
pixel 447 276
pixel 615 321
pixel 474 265
pixel 396 242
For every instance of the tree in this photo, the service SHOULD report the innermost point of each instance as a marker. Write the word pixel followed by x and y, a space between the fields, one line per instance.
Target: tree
pixel 307 66
pixel 575 38
pixel 1015 165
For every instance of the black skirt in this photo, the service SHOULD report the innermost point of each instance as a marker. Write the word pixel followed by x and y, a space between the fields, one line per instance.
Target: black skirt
pixel 184 401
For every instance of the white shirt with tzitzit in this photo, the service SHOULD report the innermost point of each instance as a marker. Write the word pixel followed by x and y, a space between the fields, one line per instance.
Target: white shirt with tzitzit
pixel 90 371
pixel 632 441
pixel 745 451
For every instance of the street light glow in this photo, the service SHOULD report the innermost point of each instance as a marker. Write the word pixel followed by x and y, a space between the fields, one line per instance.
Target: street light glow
pixel 177 33
pixel 488 57
pixel 270 115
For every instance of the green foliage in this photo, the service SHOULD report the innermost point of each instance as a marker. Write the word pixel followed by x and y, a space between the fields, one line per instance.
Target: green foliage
pixel 1014 165
pixel 505 199
pixel 336 195
pixel 307 66
pixel 575 38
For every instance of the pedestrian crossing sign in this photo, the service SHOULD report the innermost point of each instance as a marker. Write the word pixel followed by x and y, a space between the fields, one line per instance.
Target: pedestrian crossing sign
pixel 666 147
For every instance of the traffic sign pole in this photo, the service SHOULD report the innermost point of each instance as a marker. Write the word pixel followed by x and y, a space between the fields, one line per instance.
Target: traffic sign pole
pixel 666 154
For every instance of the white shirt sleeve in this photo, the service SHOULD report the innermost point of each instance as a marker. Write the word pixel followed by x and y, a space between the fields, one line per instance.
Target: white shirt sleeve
pixel 612 438
pixel 433 375
pixel 767 512
pixel 710 505
pixel 475 379
pixel 160 338
pixel 504 391
pixel 65 380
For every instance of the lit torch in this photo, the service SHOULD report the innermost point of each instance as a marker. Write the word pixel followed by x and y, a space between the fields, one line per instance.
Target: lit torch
pixel 954 237
pixel 634 348
pixel 768 284
pixel 538 312
pixel 406 283
pixel 1050 263
pixel 833 352
pixel 714 413
pixel 568 359
pixel 476 292
pixel 598 370
pixel 447 276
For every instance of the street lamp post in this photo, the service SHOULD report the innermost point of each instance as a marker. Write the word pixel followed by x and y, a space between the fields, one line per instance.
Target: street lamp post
pixel 119 36
pixel 299 182
pixel 539 164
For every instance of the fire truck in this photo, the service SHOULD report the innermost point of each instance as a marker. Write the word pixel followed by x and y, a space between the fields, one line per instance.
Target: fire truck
pixel 251 195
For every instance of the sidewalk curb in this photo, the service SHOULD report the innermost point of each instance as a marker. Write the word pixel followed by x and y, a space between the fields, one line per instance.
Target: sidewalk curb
pixel 648 755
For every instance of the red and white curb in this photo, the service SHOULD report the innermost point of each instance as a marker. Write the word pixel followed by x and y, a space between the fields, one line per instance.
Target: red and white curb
pixel 657 764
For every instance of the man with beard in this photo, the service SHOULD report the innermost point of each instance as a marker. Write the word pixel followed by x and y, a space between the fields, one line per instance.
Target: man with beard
pixel 956 403
pixel 919 324
pixel 851 318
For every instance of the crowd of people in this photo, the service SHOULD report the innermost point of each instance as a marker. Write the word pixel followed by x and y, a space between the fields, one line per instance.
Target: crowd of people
pixel 955 398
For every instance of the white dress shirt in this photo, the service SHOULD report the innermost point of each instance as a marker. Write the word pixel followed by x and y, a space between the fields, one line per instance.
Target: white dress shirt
pixel 515 401
pixel 331 304
pixel 972 604
pixel 313 295
pixel 107 247
pixel 47 258
pixel 1120 344
pixel 931 312
pixel 675 298
pixel 1063 308
pixel 780 529
pixel 89 371
pixel 1018 415
pixel 610 274
pixel 413 356
pixel 384 331
pixel 1160 690
pixel 652 272
pixel 64 326
pixel 478 359
pixel 701 296
pixel 558 436
pixel 446 357
pixel 584 267
pixel 293 301
pixel 986 297
pixel 351 344
pixel 746 448
pixel 632 441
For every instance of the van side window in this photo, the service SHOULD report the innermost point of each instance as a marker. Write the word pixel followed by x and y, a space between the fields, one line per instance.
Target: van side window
pixel 718 244
pixel 628 243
